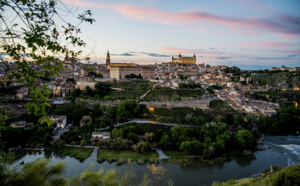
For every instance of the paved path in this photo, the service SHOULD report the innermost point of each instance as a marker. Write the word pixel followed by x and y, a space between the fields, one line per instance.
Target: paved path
pixel 161 154
pixel 94 153
pixel 149 91
pixel 149 122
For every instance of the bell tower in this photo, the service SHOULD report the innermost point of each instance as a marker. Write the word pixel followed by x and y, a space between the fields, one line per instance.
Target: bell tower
pixel 108 60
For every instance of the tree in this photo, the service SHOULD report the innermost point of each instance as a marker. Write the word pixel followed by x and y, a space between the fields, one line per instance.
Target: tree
pixel 72 80
pixel 149 136
pixel 30 37
pixel 58 143
pixel 143 147
pixel 131 136
pixel 245 139
pixel 191 147
pixel 165 142
pixel 35 173
pixel 102 88
pixel 88 91
pixel 82 143
pixel 116 133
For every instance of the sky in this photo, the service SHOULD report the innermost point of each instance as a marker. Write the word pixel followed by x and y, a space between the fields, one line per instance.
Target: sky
pixel 250 34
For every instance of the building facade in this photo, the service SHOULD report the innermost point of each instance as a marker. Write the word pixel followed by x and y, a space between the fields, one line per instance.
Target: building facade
pixel 120 72
pixel 184 60
pixel 82 84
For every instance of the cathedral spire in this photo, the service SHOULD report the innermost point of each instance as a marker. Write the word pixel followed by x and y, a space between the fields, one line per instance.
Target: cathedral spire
pixel 108 60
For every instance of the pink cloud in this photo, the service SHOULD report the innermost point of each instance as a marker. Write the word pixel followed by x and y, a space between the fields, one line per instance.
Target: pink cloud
pixel 282 24
pixel 288 36
pixel 254 5
pixel 249 32
pixel 267 44
pixel 201 52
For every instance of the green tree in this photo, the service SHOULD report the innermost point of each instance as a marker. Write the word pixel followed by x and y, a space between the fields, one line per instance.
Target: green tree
pixel 191 147
pixel 166 142
pixel 57 142
pixel 132 136
pixel 82 143
pixel 117 133
pixel 102 88
pixel 30 36
pixel 245 139
pixel 150 137
pixel 143 147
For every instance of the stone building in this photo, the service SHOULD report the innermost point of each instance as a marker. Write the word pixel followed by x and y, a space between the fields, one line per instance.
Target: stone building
pixel 120 72
pixel 185 60
pixel 283 68
pixel 82 84
pixel 109 64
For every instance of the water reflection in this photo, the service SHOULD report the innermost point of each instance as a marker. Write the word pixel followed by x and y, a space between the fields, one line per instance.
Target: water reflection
pixel 244 161
pixel 283 151
pixel 157 173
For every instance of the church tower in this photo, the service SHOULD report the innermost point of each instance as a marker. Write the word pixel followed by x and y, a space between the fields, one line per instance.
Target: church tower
pixel 194 59
pixel 108 60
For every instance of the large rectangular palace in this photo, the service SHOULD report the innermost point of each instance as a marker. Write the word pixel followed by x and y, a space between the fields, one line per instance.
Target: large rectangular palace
pixel 185 60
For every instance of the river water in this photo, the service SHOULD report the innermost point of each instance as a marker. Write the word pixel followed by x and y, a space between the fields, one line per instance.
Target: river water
pixel 284 151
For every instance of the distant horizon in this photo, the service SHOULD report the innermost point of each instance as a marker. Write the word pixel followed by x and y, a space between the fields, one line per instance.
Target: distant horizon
pixel 242 67
pixel 254 34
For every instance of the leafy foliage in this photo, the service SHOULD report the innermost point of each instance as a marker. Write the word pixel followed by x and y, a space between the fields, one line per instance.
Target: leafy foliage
pixel 30 37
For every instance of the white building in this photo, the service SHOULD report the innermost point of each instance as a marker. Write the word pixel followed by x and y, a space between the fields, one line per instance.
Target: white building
pixel 60 120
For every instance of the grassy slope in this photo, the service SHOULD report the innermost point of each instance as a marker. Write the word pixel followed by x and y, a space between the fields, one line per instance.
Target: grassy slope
pixel 176 154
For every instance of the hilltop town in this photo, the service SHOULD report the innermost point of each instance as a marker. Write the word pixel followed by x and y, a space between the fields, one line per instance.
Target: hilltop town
pixel 222 82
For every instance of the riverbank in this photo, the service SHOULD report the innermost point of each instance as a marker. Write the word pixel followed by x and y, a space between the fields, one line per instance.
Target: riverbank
pixel 76 152
pixel 123 156
pixel 273 176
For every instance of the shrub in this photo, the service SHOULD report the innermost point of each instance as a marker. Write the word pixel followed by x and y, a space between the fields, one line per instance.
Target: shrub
pixel 82 143
pixel 143 147
pixel 131 136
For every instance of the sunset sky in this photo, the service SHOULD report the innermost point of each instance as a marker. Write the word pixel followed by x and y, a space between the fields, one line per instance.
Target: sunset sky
pixel 251 34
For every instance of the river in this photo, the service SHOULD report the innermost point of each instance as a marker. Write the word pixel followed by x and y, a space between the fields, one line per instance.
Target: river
pixel 284 151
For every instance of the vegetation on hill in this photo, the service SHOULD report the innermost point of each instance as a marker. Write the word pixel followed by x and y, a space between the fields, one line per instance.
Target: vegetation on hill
pixel 168 94
pixel 274 79
pixel 179 115
pixel 275 177
pixel 275 95
pixel 220 105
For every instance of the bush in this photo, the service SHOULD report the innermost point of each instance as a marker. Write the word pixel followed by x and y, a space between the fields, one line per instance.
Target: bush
pixel 289 176
pixel 245 139
pixel 131 136
pixel 143 147
pixel 82 143
pixel 58 143
pixel 191 147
